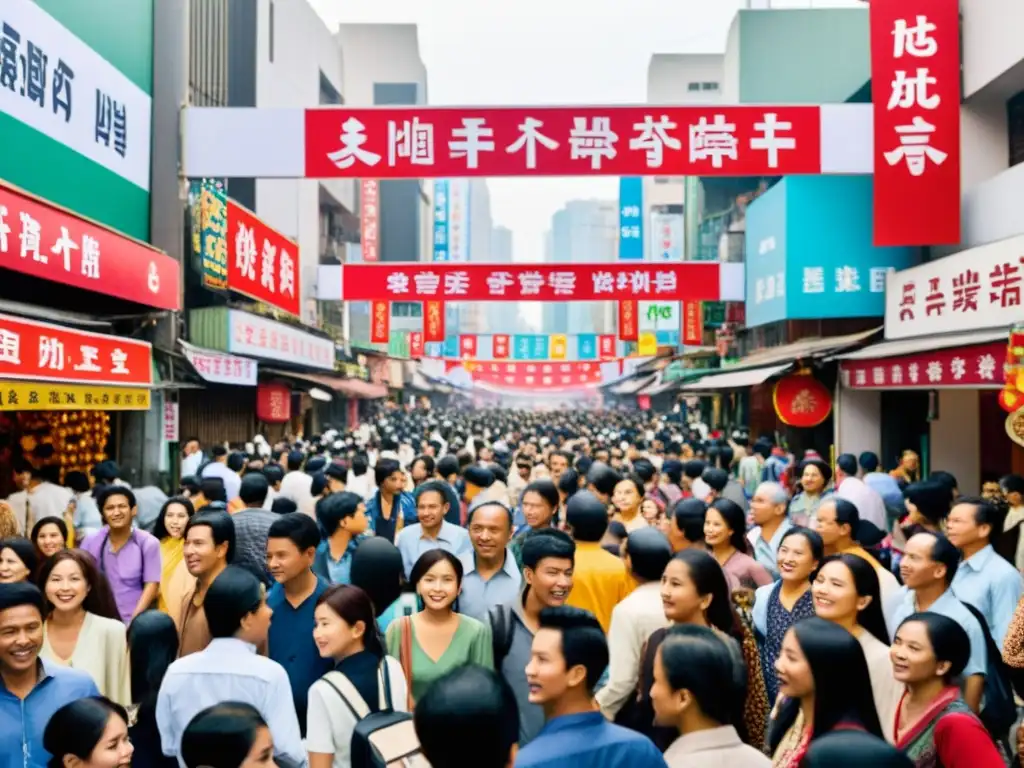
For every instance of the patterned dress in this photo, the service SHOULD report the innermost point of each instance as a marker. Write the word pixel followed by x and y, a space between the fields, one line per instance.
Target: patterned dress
pixel 777 624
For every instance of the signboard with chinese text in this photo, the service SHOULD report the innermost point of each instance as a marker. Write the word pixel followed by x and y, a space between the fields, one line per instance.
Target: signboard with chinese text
pixel 559 346
pixel 441 252
pixel 659 316
pixel 586 346
pixel 170 421
pixel 273 402
pixel 533 375
pixel 975 367
pixel 628 324
pixel 42 240
pixel 467 346
pixel 647 344
pixel 369 218
pixel 801 400
pixel 666 236
pixel 262 263
pixel 416 344
pixel 915 87
pixel 221 368
pixel 530 347
pixel 256 336
pixel 971 290
pixel 631 218
pixel 380 322
pixel 458 220
pixel 500 344
pixel 210 232
pixel 33 350
pixel 693 323
pixel 52 396
pixel 433 321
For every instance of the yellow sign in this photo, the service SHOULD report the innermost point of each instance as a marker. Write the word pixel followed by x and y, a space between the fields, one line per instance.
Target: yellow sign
pixel 647 344
pixel 559 346
pixel 50 396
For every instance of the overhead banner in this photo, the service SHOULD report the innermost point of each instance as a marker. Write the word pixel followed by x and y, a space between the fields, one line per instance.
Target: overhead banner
pixel 50 396
pixel 631 218
pixel 915 87
pixel 369 218
pixel 533 375
pixel 262 263
pixel 681 281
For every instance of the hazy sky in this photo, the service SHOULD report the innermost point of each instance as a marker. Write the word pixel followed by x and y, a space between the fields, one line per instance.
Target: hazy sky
pixel 548 52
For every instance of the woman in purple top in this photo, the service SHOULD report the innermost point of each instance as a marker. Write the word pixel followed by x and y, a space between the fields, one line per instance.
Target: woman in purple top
pixel 129 558
pixel 725 534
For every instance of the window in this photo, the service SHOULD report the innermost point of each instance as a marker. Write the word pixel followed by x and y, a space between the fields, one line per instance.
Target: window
pixel 271 31
pixel 709 86
pixel 693 87
pixel 1015 128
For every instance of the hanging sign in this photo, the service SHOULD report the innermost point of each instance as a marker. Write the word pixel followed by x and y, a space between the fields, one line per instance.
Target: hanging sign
pixel 801 400
pixel 262 263
pixel 693 323
pixel 606 346
pixel 380 323
pixel 467 346
pixel 415 343
pixel 273 403
pixel 500 346
pixel 369 216
pixel 629 326
pixel 433 321
pixel 532 375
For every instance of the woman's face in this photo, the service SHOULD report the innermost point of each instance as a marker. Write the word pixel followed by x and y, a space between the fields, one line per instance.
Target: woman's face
pixel 716 529
pixel 114 749
pixel 912 655
pixel 835 594
pixel 66 588
pixel 812 480
pixel 793 670
pixel 335 638
pixel 175 520
pixel 625 498
pixel 49 539
pixel 795 559
pixel 536 510
pixel 261 754
pixel 668 704
pixel 650 511
pixel 439 586
pixel 679 595
pixel 12 569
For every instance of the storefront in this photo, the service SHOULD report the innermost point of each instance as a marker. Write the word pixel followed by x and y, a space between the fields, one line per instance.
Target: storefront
pixel 224 409
pixel 933 385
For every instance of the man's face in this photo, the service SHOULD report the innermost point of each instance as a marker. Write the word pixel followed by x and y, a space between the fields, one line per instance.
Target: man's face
pixel 192 446
pixel 430 509
pixel 550 581
pixel 546 675
pixel 962 527
pixel 558 464
pixel 992 491
pixel 490 531
pixel 524 469
pixel 486 455
pixel 917 567
pixel 762 508
pixel 395 482
pixel 21 637
pixel 22 480
pixel 334 485
pixel 118 512
pixel 202 555
pixel 419 472
pixel 286 561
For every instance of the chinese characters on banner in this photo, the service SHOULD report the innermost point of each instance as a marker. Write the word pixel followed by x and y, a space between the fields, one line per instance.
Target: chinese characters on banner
pixel 500 346
pixel 210 231
pixel 221 368
pixel 261 337
pixel 450 142
pixel 441 252
pixel 380 323
pixel 263 264
pixel 171 422
pixel 415 343
pixel 666 237
pixel 433 321
pixel 971 367
pixel 703 281
pixel 915 87
pixel 273 403
pixel 629 328
pixel 467 346
pixel 54 396
pixel 534 375
pixel 693 323
pixel 606 346
pixel 631 218
pixel 369 217
pixel 43 241
pixel 559 346
pixel 40 351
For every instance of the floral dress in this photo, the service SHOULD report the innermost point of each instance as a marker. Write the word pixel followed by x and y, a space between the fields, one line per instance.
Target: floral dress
pixel 778 622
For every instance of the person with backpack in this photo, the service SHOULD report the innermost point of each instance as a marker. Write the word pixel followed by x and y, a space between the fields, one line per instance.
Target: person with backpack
pixel 365 692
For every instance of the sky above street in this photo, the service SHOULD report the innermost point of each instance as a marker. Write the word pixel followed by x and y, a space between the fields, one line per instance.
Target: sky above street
pixel 549 52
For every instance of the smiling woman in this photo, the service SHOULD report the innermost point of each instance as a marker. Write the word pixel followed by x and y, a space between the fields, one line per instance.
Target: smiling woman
pixel 93 730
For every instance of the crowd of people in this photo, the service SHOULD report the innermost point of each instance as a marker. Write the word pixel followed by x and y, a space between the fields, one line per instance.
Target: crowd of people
pixel 489 589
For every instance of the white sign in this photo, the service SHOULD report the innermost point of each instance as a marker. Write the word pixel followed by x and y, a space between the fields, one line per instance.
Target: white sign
pixel 221 368
pixel 971 290
pixel 666 240
pixel 458 220
pixel 256 336
pixel 53 82
pixel 171 422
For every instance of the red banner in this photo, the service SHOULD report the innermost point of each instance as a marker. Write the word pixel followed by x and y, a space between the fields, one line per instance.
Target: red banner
pixel 380 322
pixel 500 346
pixel 456 142
pixel 36 351
pixel 629 329
pixel 273 403
pixel 915 87
pixel 533 375
pixel 606 346
pixel 42 240
pixel 467 346
pixel 458 281
pixel 693 323
pixel 263 264
pixel 369 216
pixel 433 321
pixel 970 367
pixel 416 344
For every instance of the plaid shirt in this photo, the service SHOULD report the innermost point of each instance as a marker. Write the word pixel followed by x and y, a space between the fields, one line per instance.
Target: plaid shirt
pixel 251 529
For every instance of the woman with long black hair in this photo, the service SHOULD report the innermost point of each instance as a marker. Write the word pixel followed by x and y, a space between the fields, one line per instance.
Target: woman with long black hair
pixel 152 648
pixel 725 531
pixel 231 734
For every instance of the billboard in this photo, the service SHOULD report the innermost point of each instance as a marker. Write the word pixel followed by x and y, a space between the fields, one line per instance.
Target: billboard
pixel 631 218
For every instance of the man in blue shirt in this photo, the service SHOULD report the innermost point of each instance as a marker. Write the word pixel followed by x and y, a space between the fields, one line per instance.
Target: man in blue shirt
pixel 343 523
pixel 490 576
pixel 30 691
pixel 391 504
pixel 569 655
pixel 432 531
pixel 291 548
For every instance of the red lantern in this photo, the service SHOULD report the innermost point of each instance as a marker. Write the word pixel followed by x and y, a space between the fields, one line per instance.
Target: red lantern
pixel 273 403
pixel 801 400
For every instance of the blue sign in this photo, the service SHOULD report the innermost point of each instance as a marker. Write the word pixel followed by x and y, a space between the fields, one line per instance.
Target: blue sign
pixel 586 346
pixel 451 345
pixel 441 239
pixel 667 338
pixel 631 218
pixel 809 252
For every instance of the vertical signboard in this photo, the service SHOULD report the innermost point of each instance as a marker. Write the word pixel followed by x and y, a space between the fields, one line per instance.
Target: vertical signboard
pixel 666 236
pixel 631 218
pixel 458 220
pixel 441 252
pixel 369 218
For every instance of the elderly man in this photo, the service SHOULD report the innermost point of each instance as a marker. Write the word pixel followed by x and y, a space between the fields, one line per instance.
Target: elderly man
pixel 768 510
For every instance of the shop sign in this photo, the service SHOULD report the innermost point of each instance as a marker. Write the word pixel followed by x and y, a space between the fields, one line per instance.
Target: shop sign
pixel 647 344
pixel 256 336
pixel 441 250
pixel 532 375
pixel 979 366
pixel 433 321
pixel 273 403
pixel 606 346
pixel 262 263
pixel 915 88
pixel 369 217
pixel 500 346
pixel 52 396
pixel 467 346
pixel 628 327
pixel 559 346
pixel 631 218
pixel 693 323
pixel 666 236
pixel 33 350
pixel 416 344
pixel 354 371
pixel 209 209
pixel 171 427
pixel 380 322
pixel 801 400
pixel 42 240
pixel 975 289
pixel 220 368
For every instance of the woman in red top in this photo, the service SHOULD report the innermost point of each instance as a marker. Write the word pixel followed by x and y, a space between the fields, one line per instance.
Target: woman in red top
pixel 933 724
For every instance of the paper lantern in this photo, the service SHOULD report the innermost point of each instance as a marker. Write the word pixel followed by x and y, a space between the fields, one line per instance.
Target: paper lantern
pixel 801 400
pixel 273 403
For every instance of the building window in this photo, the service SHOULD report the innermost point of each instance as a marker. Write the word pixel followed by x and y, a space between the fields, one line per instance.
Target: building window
pixel 271 31
pixel 709 86
pixel 1015 128
pixel 693 87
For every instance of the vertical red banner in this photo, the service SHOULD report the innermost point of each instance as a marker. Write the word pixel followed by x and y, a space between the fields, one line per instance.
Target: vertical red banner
pixel 433 321
pixel 416 344
pixel 915 87
pixel 606 346
pixel 629 326
pixel 380 322
pixel 693 323
pixel 369 218
pixel 500 344
pixel 467 346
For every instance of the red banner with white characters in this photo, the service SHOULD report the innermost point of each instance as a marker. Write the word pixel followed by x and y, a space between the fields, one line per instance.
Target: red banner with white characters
pixel 273 402
pixel 380 322
pixel 415 343
pixel 456 142
pixel 467 346
pixel 42 240
pixel 971 367
pixel 263 264
pixel 606 346
pixel 915 87
pixel 34 351
pixel 433 321
pixel 500 346
pixel 455 281
pixel 533 375
pixel 693 323
pixel 629 328
pixel 369 217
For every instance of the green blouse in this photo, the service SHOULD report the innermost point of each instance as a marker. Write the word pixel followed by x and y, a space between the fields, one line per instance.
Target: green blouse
pixel 471 644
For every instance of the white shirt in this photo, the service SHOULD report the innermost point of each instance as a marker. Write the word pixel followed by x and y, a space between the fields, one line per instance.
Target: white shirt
pixel 232 482
pixel 361 484
pixel 228 670
pixel 191 463
pixel 869 503
pixel 297 486
pixel 45 500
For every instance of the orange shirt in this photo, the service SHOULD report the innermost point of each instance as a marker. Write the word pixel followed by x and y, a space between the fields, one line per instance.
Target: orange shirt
pixel 599 581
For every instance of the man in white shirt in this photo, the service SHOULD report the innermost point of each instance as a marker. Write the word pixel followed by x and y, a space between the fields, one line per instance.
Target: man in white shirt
pixel 218 467
pixel 229 669
pixel 297 484
pixel 192 457
pixel 868 501
pixel 37 498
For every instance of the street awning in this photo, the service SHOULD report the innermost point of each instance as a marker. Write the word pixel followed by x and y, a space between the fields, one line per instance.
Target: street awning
pixel 749 377
pixel 633 386
pixel 900 347
pixel 420 382
pixel 354 389
pixel 660 387
pixel 806 349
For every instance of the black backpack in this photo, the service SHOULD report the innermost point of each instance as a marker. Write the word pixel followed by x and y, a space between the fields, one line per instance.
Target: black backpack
pixel 384 739
pixel 999 712
pixel 503 629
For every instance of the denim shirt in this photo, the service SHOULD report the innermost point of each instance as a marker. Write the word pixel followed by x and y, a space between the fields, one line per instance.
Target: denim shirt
pixel 404 505
pixel 335 571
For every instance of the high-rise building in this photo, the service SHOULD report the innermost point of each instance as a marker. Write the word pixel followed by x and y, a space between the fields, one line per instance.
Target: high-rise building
pixel 502 317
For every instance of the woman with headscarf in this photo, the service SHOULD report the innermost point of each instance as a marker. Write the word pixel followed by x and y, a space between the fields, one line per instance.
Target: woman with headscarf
pixel 815 475
pixel 378 570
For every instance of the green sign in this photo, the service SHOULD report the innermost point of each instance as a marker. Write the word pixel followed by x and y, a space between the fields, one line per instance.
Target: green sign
pixel 209 210
pixel 657 312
